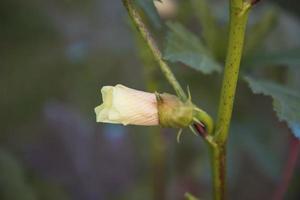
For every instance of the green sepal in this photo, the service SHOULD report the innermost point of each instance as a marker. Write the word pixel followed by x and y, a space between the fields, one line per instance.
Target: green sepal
pixel 172 112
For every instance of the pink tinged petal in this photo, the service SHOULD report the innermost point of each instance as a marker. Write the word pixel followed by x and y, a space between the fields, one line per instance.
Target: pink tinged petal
pixel 135 107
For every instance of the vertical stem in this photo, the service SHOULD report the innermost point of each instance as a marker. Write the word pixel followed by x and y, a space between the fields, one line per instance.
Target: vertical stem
pixel 159 164
pixel 238 20
pixel 219 171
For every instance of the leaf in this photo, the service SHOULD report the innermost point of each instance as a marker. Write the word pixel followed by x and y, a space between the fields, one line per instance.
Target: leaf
pixel 210 29
pixel 248 137
pixel 183 46
pixel 288 57
pixel 261 30
pixel 286 102
pixel 189 196
pixel 214 34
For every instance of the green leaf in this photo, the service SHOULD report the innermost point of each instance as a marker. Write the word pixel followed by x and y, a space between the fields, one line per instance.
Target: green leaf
pixel 286 102
pixel 210 30
pixel 290 58
pixel 246 135
pixel 261 30
pixel 183 46
pixel 189 196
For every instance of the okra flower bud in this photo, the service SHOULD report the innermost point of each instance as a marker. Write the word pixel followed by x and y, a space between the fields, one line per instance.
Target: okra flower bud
pixel 123 105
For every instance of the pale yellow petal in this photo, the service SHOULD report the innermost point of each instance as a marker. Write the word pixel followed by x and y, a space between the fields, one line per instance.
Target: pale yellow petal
pixel 127 106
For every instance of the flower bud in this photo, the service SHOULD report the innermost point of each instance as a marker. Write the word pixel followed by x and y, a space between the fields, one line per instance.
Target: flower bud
pixel 172 112
pixel 122 105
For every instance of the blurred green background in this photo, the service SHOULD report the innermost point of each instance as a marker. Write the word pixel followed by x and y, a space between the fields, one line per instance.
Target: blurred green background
pixel 56 55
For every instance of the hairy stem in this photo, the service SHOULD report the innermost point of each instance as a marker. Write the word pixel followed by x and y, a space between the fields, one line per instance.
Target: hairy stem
pixel 238 20
pixel 140 25
pixel 218 154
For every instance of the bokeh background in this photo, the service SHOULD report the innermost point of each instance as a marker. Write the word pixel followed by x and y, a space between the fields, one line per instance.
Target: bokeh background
pixel 55 55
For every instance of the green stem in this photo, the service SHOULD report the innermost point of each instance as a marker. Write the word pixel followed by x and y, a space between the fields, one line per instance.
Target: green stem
pixel 238 20
pixel 140 25
pixel 158 161
pixel 218 154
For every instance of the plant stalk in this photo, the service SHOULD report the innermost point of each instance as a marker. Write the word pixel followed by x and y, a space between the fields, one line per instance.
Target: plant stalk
pixel 218 154
pixel 158 160
pixel 238 19
pixel 140 25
